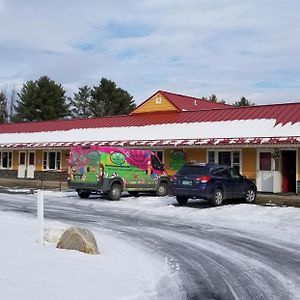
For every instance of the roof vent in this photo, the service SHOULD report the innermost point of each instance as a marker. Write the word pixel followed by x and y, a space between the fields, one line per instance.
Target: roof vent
pixel 195 102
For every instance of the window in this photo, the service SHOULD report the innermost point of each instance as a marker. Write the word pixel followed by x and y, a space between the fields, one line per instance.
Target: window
pixel 31 158
pixel 6 160
pixel 51 160
pixel 155 163
pixel 224 158
pixel 236 161
pixel 211 156
pixel 265 161
pixel 221 172
pixel 158 100
pixel 160 155
pixel 234 173
pixel 22 158
pixel 228 158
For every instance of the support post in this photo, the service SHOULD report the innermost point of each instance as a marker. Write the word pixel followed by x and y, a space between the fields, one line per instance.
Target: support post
pixel 40 215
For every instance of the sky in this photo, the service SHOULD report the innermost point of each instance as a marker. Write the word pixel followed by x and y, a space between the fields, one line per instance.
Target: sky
pixel 230 48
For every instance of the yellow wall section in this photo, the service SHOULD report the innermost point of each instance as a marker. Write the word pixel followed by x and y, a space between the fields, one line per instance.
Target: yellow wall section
pixel 195 155
pixel 249 163
pixel 38 160
pixel 152 106
pixel 15 159
pixel 64 159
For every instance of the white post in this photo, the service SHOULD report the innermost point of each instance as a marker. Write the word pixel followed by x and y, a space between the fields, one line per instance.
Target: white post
pixel 40 215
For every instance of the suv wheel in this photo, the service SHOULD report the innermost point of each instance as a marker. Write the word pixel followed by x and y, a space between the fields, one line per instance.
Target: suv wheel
pixel 162 190
pixel 83 194
pixel 250 195
pixel 115 192
pixel 217 198
pixel 182 200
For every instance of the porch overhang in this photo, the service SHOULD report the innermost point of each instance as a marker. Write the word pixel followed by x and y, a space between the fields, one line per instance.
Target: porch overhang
pixel 274 142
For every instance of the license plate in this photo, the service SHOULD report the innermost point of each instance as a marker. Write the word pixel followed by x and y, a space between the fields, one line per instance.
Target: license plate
pixel 186 182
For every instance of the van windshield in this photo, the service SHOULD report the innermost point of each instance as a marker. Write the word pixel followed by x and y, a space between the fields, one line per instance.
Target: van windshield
pixel 192 170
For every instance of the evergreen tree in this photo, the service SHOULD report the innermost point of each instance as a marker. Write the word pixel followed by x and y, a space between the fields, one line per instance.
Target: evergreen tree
pixel 81 103
pixel 41 100
pixel 214 98
pixel 3 107
pixel 11 103
pixel 108 100
pixel 243 102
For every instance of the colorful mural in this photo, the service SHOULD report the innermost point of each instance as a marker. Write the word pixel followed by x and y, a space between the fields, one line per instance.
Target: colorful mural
pixel 90 165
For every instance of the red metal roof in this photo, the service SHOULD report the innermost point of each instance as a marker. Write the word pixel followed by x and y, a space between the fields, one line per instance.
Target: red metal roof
pixel 282 113
pixel 187 103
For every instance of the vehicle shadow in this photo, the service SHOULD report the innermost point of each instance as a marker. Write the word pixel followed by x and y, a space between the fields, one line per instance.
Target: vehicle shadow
pixel 201 204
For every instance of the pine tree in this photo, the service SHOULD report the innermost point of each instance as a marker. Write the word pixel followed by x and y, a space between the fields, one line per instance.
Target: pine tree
pixel 41 100
pixel 81 103
pixel 3 108
pixel 108 100
pixel 214 98
pixel 243 102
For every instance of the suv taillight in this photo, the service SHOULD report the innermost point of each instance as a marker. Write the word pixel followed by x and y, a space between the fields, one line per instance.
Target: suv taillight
pixel 203 179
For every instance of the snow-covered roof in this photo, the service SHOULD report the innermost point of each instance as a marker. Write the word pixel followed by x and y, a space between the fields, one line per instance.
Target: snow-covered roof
pixel 198 133
pixel 247 125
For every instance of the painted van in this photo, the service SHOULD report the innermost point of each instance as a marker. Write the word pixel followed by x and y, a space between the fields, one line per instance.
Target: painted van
pixel 112 170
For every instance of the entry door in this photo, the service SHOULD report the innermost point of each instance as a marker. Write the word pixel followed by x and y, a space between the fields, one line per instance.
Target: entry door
pixel 265 172
pixel 22 164
pixel 31 164
pixel 288 171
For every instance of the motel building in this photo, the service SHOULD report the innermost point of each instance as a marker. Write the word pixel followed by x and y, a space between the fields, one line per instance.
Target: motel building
pixel 262 142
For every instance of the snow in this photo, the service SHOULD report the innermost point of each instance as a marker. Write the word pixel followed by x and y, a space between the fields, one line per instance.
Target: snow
pixel 122 270
pixel 33 271
pixel 197 130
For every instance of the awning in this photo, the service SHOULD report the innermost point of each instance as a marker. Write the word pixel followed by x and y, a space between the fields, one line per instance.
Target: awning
pixel 213 142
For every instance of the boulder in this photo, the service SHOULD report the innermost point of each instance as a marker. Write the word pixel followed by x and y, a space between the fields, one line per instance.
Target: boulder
pixel 78 239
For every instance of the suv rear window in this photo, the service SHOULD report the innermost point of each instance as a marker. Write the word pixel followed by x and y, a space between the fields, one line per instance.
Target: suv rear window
pixel 192 170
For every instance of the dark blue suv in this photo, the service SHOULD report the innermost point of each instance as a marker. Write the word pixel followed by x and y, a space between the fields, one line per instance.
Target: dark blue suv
pixel 212 182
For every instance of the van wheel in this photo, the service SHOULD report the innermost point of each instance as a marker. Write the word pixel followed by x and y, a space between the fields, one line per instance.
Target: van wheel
pixel 115 192
pixel 83 194
pixel 250 195
pixel 162 190
pixel 182 200
pixel 217 198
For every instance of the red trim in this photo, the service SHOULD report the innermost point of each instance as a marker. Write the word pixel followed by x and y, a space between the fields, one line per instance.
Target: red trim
pixel 295 140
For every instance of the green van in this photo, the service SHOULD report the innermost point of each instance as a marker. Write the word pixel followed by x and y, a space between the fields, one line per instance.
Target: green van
pixel 111 171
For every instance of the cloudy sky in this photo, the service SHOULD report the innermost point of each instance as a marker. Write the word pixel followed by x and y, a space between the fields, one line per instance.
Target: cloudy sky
pixel 230 48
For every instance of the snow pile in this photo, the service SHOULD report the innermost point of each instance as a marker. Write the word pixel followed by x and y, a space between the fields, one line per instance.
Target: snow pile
pixel 32 271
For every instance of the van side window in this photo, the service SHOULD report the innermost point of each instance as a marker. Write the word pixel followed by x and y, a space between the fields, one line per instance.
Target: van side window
pixel 156 163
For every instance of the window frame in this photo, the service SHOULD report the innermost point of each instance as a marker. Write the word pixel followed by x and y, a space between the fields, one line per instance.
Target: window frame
pixel 45 166
pixel 162 154
pixel 232 151
pixel 9 160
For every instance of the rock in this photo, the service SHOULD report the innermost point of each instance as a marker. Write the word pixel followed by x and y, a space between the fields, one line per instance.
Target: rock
pixel 78 239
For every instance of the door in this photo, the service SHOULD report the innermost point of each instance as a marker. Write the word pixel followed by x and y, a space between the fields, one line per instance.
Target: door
pixel 265 172
pixel 22 164
pixel 31 165
pixel 288 171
